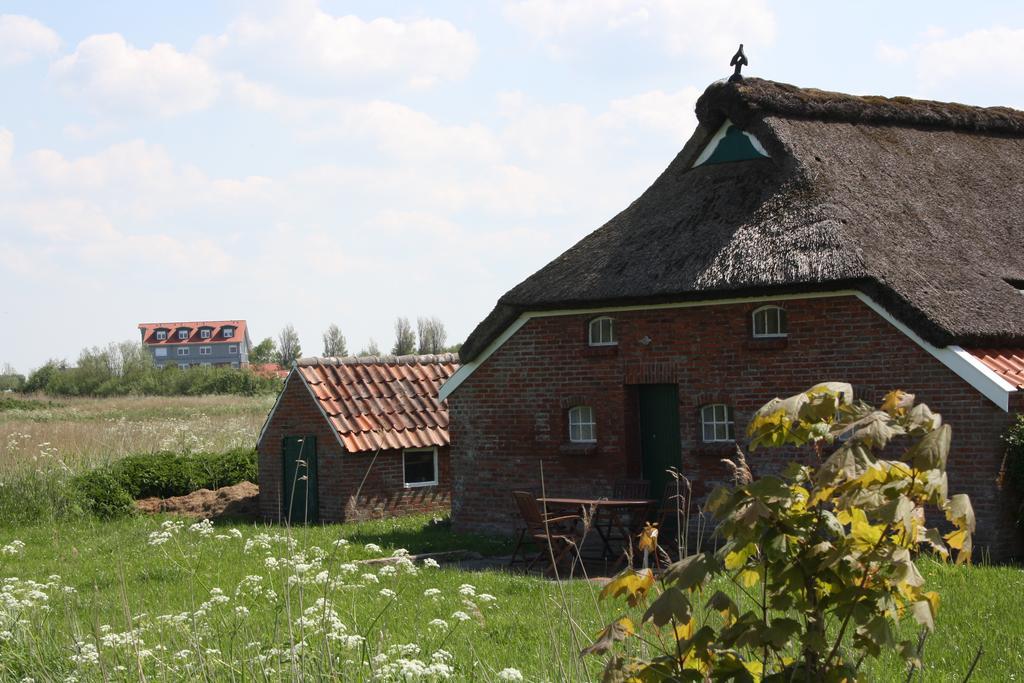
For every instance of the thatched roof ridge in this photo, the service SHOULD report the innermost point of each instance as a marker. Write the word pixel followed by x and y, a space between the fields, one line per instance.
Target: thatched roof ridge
pixel 917 204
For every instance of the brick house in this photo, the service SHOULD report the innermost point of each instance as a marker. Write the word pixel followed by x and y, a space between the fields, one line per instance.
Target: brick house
pixel 799 236
pixel 199 343
pixel 355 438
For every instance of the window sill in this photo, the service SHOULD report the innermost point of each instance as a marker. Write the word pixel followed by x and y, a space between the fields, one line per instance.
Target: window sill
pixel 422 485
pixel 570 448
pixel 767 343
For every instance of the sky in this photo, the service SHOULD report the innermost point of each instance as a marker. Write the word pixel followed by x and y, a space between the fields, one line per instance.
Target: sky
pixel 308 163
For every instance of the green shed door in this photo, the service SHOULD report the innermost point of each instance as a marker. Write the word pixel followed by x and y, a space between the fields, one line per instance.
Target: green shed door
pixel 300 481
pixel 660 447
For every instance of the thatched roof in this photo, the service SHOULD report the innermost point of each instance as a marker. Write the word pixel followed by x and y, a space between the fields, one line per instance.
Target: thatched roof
pixel 917 204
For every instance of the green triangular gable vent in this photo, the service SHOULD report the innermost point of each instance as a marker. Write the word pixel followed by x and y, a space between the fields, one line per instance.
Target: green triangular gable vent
pixel 731 144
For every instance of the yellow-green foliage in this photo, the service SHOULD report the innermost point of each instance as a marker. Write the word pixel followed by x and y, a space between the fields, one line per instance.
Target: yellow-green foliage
pixel 822 557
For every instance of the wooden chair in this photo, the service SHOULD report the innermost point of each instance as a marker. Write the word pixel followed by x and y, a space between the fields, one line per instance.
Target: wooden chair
pixel 631 489
pixel 554 536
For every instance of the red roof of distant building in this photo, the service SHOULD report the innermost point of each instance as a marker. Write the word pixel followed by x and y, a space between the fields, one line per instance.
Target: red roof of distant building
pixel 388 402
pixel 1007 363
pixel 216 336
pixel 269 370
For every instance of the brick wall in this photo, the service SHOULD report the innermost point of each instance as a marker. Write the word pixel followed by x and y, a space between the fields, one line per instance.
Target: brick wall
pixel 339 474
pixel 508 420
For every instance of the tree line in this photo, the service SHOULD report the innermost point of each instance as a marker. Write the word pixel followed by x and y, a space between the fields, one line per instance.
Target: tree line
pixel 429 336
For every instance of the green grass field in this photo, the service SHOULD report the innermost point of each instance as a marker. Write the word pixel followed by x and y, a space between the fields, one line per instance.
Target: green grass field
pixel 122 582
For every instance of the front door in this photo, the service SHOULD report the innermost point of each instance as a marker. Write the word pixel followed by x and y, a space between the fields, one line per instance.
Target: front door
pixel 300 485
pixel 659 433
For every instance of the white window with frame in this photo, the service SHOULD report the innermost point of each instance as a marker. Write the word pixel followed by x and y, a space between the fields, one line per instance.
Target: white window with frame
pixel 228 332
pixel 160 353
pixel 182 350
pixel 161 334
pixel 770 322
pixel 234 364
pixel 232 348
pixel 419 466
pixel 182 334
pixel 205 333
pixel 716 423
pixel 602 332
pixel 205 350
pixel 582 428
pixel 183 366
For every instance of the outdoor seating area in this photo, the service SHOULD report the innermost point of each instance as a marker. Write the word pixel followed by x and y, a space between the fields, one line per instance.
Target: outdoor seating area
pixel 560 533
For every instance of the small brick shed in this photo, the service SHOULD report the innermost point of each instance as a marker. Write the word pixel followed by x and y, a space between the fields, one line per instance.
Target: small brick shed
pixel 357 438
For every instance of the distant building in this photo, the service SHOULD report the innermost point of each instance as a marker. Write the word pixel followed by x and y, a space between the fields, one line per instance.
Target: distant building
pixel 210 343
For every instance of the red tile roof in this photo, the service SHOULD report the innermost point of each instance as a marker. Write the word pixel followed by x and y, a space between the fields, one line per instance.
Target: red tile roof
pixel 269 370
pixel 388 402
pixel 149 332
pixel 1007 363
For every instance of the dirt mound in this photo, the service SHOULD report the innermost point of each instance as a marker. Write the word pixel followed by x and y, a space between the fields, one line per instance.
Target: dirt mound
pixel 240 500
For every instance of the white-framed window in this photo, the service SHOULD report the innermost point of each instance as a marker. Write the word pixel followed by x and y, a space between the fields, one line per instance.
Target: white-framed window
pixel 582 428
pixel 182 350
pixel 182 334
pixel 234 364
pixel 205 333
pixel 419 466
pixel 770 321
pixel 716 423
pixel 161 334
pixel 205 350
pixel 228 332
pixel 602 332
pixel 206 365
pixel 161 353
pixel 232 348
pixel 183 366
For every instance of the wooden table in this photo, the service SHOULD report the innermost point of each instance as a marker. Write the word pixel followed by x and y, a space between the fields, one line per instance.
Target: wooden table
pixel 613 510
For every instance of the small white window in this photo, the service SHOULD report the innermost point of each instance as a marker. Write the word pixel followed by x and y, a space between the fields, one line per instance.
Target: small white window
pixel 232 348
pixel 234 364
pixel 602 332
pixel 716 423
pixel 420 467
pixel 582 428
pixel 182 334
pixel 182 350
pixel 161 334
pixel 161 353
pixel 229 332
pixel 770 321
pixel 183 366
pixel 205 333
pixel 205 350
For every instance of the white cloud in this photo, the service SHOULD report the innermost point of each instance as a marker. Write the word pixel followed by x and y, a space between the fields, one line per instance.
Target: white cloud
pixel 308 42
pixel 22 38
pixel 113 76
pixel 975 65
pixel 707 28
pixel 671 112
pixel 6 152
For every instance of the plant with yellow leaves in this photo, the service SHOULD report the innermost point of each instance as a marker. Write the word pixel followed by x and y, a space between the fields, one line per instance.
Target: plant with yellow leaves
pixel 820 560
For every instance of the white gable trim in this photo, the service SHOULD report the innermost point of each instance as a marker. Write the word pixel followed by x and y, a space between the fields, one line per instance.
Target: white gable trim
pixel 295 372
pixel 961 362
pixel 712 145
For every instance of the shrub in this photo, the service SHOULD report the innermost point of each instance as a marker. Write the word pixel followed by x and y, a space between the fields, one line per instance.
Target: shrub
pixel 1015 462
pixel 821 559
pixel 105 490
pixel 102 495
pixel 11 403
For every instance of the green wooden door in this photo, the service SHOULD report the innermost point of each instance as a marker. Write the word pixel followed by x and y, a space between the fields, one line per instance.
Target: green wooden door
pixel 659 433
pixel 300 481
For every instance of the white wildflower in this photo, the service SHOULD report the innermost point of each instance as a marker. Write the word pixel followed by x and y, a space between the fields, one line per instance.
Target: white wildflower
pixel 437 623
pixel 431 563
pixel 486 597
pixel 370 578
pixel 460 616
pixel 431 592
pixel 372 547
pixel 387 593
pixel 510 674
pixel 15 547
pixel 468 590
pixel 387 570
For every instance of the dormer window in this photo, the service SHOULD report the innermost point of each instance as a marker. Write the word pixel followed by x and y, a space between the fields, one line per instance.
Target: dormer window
pixel 602 332
pixel 161 335
pixel 229 332
pixel 183 334
pixel 770 322
pixel 205 332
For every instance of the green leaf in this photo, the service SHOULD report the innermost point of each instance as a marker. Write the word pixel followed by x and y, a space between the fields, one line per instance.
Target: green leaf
pixel 689 572
pixel 931 451
pixel 848 462
pixel 781 631
pixel 769 487
pixel 672 605
pixel 874 430
pixel 620 629
pixel 722 603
